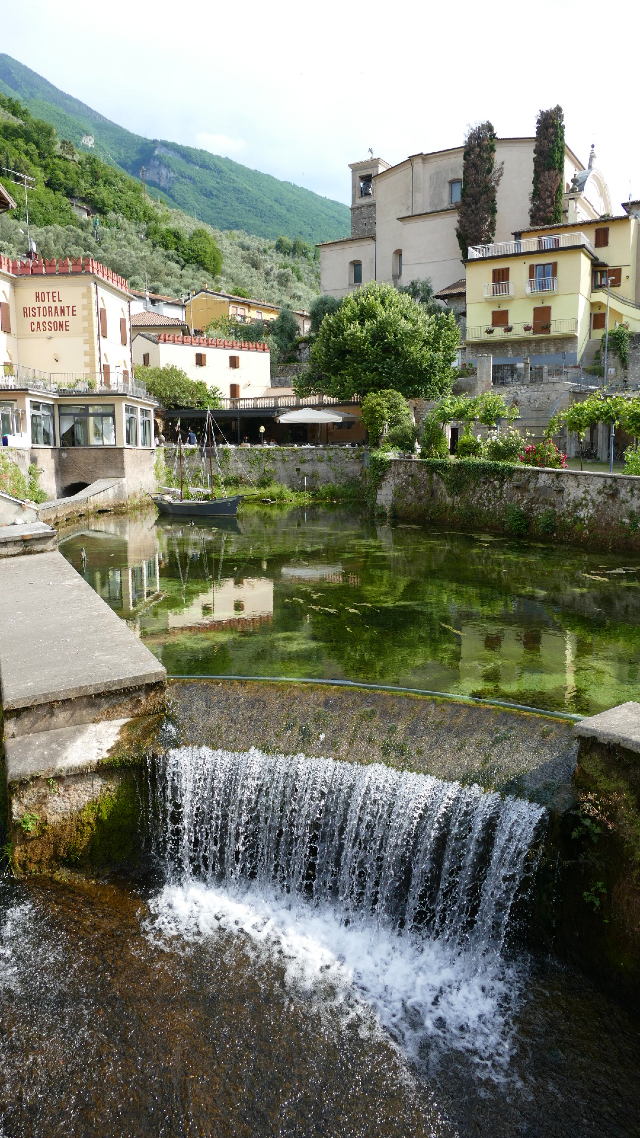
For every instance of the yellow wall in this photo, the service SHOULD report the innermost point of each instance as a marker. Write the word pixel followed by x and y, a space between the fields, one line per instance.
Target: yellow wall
pixel 207 307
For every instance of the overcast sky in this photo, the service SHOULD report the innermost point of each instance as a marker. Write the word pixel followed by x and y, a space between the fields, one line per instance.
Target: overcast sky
pixel 301 90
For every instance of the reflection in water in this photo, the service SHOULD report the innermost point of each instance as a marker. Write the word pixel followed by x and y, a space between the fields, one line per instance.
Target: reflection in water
pixel 327 594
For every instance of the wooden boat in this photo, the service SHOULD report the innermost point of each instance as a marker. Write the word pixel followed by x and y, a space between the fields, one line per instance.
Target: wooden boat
pixel 192 508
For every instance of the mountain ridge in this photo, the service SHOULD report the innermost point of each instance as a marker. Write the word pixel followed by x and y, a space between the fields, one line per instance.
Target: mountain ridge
pixel 224 193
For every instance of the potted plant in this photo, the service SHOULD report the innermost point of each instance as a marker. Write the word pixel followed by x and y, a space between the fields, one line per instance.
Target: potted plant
pixel 528 327
pixel 489 331
pixel 545 327
pixel 508 327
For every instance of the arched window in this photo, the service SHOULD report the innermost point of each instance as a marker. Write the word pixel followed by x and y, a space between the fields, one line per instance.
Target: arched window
pixel 355 273
pixel 396 267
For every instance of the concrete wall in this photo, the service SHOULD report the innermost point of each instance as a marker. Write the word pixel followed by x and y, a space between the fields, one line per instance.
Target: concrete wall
pixel 593 509
pixel 88 464
pixel 335 259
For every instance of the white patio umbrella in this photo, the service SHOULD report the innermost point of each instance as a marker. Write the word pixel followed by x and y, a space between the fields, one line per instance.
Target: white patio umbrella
pixel 312 415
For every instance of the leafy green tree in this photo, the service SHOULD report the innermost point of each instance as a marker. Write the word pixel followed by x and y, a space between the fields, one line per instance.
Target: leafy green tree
pixel 631 418
pixel 548 168
pixel 241 292
pixel 284 245
pixel 300 248
pixel 422 293
pixel 480 180
pixel 489 409
pixel 382 409
pixel 319 309
pixel 380 338
pixel 434 441
pixel 172 388
pixel 618 342
pixel 285 330
pixel 203 251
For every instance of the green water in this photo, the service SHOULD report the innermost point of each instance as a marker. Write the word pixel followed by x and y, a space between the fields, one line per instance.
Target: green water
pixel 326 593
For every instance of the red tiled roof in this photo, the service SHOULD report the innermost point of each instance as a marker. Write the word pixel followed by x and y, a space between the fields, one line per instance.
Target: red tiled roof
pixel 458 288
pixel 154 320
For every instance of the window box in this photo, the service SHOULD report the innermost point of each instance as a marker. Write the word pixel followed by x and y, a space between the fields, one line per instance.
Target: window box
pixel 508 327
pixel 489 331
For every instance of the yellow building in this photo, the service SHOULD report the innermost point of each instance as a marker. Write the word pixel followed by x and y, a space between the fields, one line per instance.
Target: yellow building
pixel 542 297
pixel 205 306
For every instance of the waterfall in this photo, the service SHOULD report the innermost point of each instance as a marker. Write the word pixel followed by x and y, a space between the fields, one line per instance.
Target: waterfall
pixel 411 852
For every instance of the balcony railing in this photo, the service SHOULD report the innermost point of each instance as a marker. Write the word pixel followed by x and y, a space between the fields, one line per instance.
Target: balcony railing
pixel 271 402
pixel 530 245
pixel 542 284
pixel 565 327
pixel 498 288
pixel 70 383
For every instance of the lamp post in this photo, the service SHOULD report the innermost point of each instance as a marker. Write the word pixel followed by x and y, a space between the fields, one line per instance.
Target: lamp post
pixel 261 429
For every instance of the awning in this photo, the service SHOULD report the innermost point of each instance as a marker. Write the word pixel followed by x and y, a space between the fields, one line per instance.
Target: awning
pixel 313 415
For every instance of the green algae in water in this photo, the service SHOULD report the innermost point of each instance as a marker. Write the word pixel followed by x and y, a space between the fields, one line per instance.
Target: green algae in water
pixel 327 594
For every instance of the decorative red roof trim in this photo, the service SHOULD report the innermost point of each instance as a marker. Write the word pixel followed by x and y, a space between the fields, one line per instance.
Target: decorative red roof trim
pixel 70 265
pixel 208 342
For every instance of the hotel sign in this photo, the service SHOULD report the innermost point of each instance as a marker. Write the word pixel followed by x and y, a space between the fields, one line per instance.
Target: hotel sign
pixel 48 311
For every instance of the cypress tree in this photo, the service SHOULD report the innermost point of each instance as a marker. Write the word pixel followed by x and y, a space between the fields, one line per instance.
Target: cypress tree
pixel 548 168
pixel 480 179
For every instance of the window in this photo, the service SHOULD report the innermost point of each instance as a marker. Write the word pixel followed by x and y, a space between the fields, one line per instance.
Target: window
pixel 543 278
pixel 549 242
pixel 396 264
pixel 145 359
pixel 42 428
pixel 258 314
pixel 87 425
pixel 130 425
pixel 366 186
pixel 602 237
pixel 145 427
pixel 5 317
pixel 234 390
pixel 103 323
pixel 500 318
pixel 400 263
pixel 201 359
pixel 600 278
pixel 9 419
pixel 455 191
pixel 541 321
pixel 356 267
pixel 123 332
pixel 106 375
pixel 598 321
pixel 234 361
pixel 500 282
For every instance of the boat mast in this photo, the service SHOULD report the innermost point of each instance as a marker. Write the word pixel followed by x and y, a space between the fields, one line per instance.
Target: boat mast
pixel 180 453
pixel 210 450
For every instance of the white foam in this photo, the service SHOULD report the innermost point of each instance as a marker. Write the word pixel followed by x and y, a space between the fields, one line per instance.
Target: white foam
pixel 430 997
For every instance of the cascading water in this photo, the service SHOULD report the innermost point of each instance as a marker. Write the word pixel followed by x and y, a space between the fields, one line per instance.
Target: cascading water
pixel 399 884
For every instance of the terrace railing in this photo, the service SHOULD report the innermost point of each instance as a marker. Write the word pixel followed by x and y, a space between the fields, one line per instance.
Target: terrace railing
pixel 543 244
pixel 18 377
pixel 522 330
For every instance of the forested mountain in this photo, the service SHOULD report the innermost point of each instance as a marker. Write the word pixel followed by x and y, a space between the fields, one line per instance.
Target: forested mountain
pixel 141 238
pixel 218 190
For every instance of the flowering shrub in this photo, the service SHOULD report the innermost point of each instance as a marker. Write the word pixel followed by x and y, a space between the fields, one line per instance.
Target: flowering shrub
pixel 545 453
pixel 506 446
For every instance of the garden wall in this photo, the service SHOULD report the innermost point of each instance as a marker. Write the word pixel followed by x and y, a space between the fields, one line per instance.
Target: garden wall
pixel 599 510
pixel 287 465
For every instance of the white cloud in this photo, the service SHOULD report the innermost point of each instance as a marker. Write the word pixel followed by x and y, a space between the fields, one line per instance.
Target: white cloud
pixel 220 144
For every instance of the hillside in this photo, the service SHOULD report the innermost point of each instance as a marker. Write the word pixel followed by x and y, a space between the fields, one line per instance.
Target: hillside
pixel 140 238
pixel 218 190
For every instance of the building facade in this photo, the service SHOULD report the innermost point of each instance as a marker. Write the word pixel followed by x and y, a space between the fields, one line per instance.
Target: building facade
pixel 237 369
pixel 542 298
pixel 206 305
pixel 404 217
pixel 68 399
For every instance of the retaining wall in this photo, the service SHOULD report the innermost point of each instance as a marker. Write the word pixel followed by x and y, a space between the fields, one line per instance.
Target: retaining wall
pixel 585 507
pixel 288 465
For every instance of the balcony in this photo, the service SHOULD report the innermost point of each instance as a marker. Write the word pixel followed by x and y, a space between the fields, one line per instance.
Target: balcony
pixel 493 289
pixel 282 402
pixel 70 383
pixel 524 331
pixel 542 284
pixel 530 245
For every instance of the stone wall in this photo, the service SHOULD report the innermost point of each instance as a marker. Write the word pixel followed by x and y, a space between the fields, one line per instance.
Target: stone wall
pixel 287 465
pixel 363 221
pixel 593 509
pixel 538 346
pixel 633 371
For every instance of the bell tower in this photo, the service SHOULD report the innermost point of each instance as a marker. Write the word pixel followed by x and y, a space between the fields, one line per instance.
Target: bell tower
pixel 363 195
